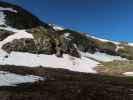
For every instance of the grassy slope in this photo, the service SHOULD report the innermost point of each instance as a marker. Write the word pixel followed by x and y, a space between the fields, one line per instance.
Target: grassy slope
pixel 66 85
pixel 115 67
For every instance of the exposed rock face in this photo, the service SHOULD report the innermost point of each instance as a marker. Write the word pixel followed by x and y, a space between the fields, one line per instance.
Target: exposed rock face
pixel 4 34
pixel 22 45
pixel 43 43
pixel 68 46
pixel 21 19
pixel 44 46
pixel 28 45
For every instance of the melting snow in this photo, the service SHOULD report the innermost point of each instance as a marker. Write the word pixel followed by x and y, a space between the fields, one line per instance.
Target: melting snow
pixel 131 44
pixel 2 18
pixel 118 47
pixel 27 59
pixel 67 62
pixel 67 34
pixel 56 27
pixel 103 40
pixel 2 15
pixel 103 57
pixel 128 73
pixel 18 34
pixel 8 9
pixel 10 79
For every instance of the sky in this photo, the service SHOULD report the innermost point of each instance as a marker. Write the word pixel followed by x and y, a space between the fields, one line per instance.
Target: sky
pixel 109 19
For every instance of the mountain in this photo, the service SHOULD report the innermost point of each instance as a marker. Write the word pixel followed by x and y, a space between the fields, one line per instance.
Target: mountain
pixel 26 41
pixel 41 60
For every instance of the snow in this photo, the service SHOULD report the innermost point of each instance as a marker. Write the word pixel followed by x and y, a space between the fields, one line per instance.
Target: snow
pixel 2 18
pixel 82 64
pixel 131 44
pixel 128 73
pixel 11 79
pixel 8 9
pixel 18 34
pixel 102 57
pixel 67 34
pixel 8 28
pixel 67 62
pixel 103 40
pixel 118 47
pixel 56 27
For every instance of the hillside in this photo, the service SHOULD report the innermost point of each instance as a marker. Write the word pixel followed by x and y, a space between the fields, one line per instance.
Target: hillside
pixel 39 60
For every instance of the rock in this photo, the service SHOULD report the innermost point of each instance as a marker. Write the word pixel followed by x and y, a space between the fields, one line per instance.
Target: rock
pixel 22 45
pixel 68 47
pixel 4 34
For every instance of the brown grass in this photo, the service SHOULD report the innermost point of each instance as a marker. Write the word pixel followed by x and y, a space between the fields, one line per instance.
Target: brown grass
pixel 116 68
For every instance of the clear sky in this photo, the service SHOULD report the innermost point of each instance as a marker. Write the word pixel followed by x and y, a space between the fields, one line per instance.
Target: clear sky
pixel 110 19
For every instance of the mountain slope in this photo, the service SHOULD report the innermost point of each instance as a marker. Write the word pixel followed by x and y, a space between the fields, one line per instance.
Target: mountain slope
pixel 27 41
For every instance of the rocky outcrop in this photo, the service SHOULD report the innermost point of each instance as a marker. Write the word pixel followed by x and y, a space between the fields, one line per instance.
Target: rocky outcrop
pixel 22 45
pixel 43 45
pixel 4 34
pixel 28 45
pixel 68 46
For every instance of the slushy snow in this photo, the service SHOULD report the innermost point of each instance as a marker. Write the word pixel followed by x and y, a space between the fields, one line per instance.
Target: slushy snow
pixel 11 79
pixel 102 57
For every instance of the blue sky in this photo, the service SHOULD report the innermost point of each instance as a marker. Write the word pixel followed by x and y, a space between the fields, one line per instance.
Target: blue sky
pixel 110 19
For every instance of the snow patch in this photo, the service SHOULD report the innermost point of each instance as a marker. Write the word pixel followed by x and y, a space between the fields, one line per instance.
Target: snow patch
pixel 8 9
pixel 67 62
pixel 131 44
pixel 11 79
pixel 2 18
pixel 67 34
pixel 118 47
pixel 128 73
pixel 56 27
pixel 103 40
pixel 102 57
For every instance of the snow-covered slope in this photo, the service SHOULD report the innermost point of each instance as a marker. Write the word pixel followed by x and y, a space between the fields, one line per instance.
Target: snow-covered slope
pixel 10 79
pixel 103 57
pixel 82 64
pixel 67 62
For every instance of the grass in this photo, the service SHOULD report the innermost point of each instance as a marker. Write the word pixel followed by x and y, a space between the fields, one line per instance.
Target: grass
pixel 115 67
pixel 67 85
pixel 126 52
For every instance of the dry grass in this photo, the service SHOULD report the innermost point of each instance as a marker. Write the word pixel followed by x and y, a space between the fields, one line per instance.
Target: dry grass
pixel 115 67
